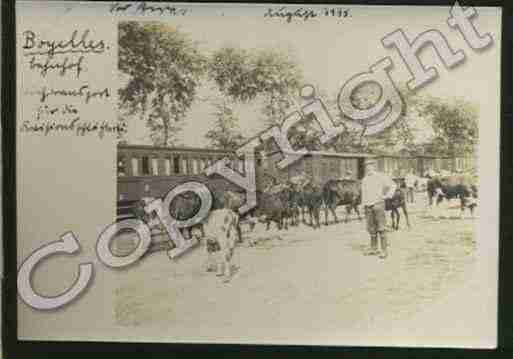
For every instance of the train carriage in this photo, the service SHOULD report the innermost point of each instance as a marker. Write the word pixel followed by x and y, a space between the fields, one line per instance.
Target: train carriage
pixel 397 166
pixel 148 171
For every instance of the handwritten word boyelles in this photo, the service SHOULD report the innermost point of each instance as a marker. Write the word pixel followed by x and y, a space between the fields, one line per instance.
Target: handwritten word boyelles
pixel 374 119
pixel 43 52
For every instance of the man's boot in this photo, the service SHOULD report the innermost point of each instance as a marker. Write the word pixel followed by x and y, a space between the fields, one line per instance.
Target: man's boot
pixel 384 249
pixel 374 246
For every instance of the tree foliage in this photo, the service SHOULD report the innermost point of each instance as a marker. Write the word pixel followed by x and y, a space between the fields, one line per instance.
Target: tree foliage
pixel 427 125
pixel 164 68
pixel 455 123
pixel 225 134
pixel 266 74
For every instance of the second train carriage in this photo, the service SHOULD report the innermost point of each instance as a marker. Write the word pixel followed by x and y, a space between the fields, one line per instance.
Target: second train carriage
pixel 398 166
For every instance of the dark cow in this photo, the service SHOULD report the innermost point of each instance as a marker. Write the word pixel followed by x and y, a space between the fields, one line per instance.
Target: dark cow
pixel 313 199
pixel 272 208
pixel 433 183
pixel 289 196
pixel 454 187
pixel 297 204
pixel 343 192
pixel 300 202
pixel 398 201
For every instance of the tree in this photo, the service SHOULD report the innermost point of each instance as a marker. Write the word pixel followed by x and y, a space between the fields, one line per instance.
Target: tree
pixel 164 68
pixel 225 134
pixel 401 136
pixel 455 124
pixel 266 74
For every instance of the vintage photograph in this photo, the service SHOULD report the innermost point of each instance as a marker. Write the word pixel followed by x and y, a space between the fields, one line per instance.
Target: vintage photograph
pixel 363 228
pixel 258 173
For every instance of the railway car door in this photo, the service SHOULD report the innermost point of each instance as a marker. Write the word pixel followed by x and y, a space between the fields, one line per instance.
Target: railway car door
pixel 361 168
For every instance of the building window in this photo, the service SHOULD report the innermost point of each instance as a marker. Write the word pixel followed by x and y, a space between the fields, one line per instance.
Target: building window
pixel 135 166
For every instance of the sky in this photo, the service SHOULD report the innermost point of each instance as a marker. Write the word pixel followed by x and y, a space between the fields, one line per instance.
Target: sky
pixel 331 51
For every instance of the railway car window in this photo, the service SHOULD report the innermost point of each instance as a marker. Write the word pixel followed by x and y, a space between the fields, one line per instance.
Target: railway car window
pixel 354 168
pixel 381 165
pixel 155 166
pixel 167 166
pixel 324 170
pixel 135 166
pixel 176 164
pixel 145 165
pixel 184 166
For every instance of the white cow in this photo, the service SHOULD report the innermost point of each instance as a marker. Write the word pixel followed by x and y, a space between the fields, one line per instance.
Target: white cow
pixel 221 235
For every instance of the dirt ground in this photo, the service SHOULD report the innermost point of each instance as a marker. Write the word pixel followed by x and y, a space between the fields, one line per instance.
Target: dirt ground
pixel 302 282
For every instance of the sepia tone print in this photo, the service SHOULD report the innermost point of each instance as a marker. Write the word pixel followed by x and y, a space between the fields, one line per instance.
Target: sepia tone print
pixel 258 173
pixel 310 228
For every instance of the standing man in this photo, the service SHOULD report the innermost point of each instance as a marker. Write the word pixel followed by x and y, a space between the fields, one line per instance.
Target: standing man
pixel 410 180
pixel 432 186
pixel 376 187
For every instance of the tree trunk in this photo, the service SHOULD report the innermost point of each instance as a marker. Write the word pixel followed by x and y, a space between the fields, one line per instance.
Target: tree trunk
pixel 452 151
pixel 165 123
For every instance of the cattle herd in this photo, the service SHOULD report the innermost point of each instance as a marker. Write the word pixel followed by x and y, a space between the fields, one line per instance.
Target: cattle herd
pixel 300 200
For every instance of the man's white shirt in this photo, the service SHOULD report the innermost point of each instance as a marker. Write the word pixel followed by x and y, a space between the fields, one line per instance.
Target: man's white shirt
pixel 410 180
pixel 377 187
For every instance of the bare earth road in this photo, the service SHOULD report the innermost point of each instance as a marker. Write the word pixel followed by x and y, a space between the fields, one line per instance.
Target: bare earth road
pixel 300 285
